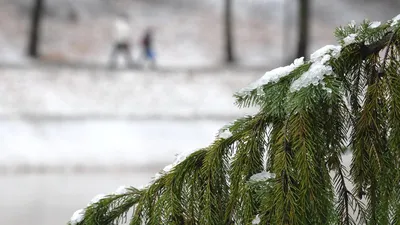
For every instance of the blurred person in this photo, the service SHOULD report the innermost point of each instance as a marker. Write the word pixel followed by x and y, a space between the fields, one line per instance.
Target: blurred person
pixel 122 45
pixel 147 47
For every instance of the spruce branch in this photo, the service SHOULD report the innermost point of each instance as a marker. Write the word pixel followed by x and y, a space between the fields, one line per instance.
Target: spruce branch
pixel 382 69
pixel 367 50
pixel 302 130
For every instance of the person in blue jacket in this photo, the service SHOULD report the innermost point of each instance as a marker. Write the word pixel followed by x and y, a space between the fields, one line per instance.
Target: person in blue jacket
pixel 148 48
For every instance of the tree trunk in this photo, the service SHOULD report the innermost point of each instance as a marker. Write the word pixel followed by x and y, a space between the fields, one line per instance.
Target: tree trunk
pixel 303 26
pixel 229 55
pixel 34 34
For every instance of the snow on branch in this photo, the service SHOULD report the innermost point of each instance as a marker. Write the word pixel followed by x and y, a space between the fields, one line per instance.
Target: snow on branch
pixel 261 176
pixel 350 39
pixel 320 60
pixel 77 217
pixel 319 67
pixel 225 134
pixel 272 76
pixel 374 24
pixel 395 20
pixel 256 220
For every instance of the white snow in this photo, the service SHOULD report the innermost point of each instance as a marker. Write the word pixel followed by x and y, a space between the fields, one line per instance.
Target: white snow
pixel 260 91
pixel 374 24
pixel 97 198
pixel 52 141
pixel 349 39
pixel 77 217
pixel 168 168
pixel 395 20
pixel 121 190
pixel 256 220
pixel 333 50
pixel 144 186
pixel 264 175
pixel 318 70
pixel 80 92
pixel 272 76
pixel 157 176
pixel 313 76
pixel 89 144
pixel 225 134
pixel 328 90
pixel 352 23
pixel 182 156
pixel 179 158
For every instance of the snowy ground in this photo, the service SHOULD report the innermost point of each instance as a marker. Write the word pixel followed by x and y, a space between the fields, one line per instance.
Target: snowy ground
pixel 51 199
pixel 79 146
pixel 70 134
pixel 82 93
pixel 55 160
pixel 74 118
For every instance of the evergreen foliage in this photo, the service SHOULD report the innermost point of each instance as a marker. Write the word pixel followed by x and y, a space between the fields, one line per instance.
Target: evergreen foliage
pixel 284 164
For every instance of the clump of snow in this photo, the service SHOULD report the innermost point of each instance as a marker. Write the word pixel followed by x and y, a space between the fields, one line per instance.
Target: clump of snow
pixel 272 76
pixel 121 190
pixel 314 75
pixel 97 198
pixel 141 187
pixel 168 168
pixel 261 176
pixel 333 50
pixel 395 20
pixel 349 39
pixel 256 220
pixel 260 91
pixel 318 69
pixel 157 176
pixel 225 134
pixel 179 158
pixel 77 217
pixel 374 24
pixel 328 90
pixel 330 111
pixel 352 23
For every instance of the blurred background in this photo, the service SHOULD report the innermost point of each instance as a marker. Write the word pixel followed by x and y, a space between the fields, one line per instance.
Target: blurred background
pixel 73 124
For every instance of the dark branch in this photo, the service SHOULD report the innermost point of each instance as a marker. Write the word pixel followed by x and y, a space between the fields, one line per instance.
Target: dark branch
pixel 382 69
pixel 375 47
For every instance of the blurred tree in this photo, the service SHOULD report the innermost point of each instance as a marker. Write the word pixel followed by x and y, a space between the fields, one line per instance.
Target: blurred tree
pixel 303 27
pixel 34 34
pixel 229 54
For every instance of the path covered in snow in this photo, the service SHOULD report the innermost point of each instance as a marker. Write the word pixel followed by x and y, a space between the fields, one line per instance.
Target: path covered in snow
pixel 58 120
pixel 81 93
pixel 98 146
pixel 70 134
